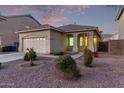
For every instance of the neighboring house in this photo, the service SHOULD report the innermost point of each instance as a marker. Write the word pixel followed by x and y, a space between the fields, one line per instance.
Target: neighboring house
pixel 48 39
pixel 120 19
pixel 10 24
pixel 107 37
pixel 114 36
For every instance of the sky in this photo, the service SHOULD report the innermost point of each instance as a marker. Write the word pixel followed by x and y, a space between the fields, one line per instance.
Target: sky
pixel 102 16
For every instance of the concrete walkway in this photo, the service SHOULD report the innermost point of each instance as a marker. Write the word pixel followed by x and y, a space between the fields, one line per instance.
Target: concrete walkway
pixel 19 55
pixel 75 56
pixel 11 57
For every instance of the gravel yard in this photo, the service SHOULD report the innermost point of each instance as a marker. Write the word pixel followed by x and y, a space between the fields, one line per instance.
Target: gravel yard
pixel 107 71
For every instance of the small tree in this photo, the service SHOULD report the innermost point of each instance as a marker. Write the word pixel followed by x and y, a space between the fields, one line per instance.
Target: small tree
pixel 34 55
pixel 30 55
pixel 87 57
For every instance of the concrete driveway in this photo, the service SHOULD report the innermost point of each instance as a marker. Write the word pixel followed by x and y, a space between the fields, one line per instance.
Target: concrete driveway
pixel 11 57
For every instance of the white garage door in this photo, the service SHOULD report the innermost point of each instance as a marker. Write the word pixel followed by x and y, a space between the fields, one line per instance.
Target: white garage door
pixel 38 44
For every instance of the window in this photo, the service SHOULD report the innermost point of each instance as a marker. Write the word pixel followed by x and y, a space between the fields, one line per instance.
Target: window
pixel 71 41
pixel 81 41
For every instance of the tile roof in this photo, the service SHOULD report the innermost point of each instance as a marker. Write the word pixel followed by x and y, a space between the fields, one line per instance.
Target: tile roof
pixel 40 28
pixel 63 29
pixel 74 27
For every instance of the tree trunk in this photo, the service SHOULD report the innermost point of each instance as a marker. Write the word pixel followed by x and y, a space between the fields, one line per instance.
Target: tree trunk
pixel 31 63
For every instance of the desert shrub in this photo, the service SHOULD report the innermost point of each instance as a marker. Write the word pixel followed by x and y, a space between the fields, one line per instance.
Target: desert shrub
pixel 67 67
pixel 33 53
pixel 26 57
pixel 87 57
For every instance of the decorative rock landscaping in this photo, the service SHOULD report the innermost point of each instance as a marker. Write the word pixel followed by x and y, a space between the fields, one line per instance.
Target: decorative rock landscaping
pixel 107 71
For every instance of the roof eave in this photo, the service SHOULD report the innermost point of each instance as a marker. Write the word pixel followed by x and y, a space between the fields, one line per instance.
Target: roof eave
pixel 97 31
pixel 39 29
pixel 119 13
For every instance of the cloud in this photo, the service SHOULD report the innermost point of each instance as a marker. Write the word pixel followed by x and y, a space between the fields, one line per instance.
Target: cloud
pixel 77 8
pixel 82 7
pixel 45 14
pixel 20 9
pixel 52 15
pixel 56 14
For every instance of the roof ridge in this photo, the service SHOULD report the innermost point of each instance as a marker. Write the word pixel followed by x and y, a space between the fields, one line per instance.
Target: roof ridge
pixel 78 25
pixel 12 16
pixel 26 15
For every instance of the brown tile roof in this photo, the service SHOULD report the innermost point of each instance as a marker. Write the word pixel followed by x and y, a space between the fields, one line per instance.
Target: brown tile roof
pixel 74 27
pixel 40 28
pixel 63 29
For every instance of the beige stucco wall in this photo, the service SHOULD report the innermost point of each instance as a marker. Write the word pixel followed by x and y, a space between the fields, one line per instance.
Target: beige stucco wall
pixel 0 42
pixel 11 25
pixel 45 33
pixel 121 26
pixel 57 43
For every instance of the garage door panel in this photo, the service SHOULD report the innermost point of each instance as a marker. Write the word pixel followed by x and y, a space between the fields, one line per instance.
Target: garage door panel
pixel 38 44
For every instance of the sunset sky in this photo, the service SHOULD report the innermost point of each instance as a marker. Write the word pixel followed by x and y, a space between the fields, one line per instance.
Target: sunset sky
pixel 101 16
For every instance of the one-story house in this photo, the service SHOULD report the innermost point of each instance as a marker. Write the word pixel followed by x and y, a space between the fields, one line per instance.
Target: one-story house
pixel 120 19
pixel 10 24
pixel 48 39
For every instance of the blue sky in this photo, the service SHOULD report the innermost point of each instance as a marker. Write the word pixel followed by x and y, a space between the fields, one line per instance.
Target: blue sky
pixel 101 16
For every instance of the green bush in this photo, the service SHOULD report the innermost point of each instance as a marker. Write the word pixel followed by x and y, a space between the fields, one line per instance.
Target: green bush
pixel 34 55
pixel 67 67
pixel 26 57
pixel 87 57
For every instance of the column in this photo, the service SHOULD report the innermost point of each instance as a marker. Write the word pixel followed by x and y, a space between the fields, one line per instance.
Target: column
pixel 91 44
pixel 75 47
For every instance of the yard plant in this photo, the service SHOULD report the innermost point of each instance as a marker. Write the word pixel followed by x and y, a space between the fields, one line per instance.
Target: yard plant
pixel 67 67
pixel 87 57
pixel 30 56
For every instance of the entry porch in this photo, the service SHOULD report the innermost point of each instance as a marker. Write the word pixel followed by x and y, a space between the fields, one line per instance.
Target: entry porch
pixel 75 42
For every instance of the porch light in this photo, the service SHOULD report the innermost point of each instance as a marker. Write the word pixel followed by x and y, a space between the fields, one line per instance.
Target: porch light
pixel 81 41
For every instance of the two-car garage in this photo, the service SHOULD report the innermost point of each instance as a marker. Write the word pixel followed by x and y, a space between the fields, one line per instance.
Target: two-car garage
pixel 43 40
pixel 37 43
